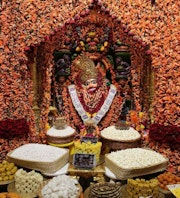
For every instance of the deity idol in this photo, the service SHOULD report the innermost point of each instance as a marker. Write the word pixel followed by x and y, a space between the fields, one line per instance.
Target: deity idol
pixel 92 98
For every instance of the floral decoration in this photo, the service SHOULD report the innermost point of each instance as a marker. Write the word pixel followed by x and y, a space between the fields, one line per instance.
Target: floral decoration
pixel 14 133
pixel 151 31
pixel 14 128
pixel 164 134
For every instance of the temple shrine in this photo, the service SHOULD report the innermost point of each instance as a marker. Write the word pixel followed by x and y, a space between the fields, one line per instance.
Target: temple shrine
pixel 90 81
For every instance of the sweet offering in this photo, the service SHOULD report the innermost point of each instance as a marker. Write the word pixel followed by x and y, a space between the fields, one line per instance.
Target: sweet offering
pixel 134 162
pixel 7 171
pixel 105 190
pixel 116 134
pixel 26 183
pixel 60 133
pixel 88 148
pixel 62 186
pixel 142 188
pixel 120 137
pixel 9 195
pixel 40 157
pixel 175 189
pixel 167 178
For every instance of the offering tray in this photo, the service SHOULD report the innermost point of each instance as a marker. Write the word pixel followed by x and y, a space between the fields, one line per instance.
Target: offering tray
pixel 123 173
pixel 61 171
pixel 58 138
pixel 6 182
pixel 120 141
pixel 166 192
pixel 174 189
pixel 118 145
pixel 32 159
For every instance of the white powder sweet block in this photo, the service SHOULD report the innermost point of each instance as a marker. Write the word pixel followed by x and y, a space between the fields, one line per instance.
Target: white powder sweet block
pixel 120 135
pixel 38 152
pixel 60 132
pixel 41 157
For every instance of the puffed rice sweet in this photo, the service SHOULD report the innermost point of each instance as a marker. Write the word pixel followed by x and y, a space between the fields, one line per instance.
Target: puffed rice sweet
pixel 135 162
pixel 113 133
pixel 136 158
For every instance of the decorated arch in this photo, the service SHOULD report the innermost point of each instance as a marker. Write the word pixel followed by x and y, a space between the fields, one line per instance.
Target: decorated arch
pixel 29 38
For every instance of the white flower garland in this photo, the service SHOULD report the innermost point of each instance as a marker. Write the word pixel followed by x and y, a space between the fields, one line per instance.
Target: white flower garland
pixel 103 110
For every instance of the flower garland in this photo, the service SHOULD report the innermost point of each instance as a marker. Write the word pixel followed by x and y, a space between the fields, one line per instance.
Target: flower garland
pixel 100 113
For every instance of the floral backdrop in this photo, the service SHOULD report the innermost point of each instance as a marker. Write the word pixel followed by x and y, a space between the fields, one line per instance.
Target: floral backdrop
pixel 151 28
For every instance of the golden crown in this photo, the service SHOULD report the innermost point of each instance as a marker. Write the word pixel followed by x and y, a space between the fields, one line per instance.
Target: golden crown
pixel 87 68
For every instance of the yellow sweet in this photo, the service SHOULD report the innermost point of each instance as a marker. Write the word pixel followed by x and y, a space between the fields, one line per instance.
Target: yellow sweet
pixel 7 170
pixel 176 192
pixel 88 148
pixel 142 187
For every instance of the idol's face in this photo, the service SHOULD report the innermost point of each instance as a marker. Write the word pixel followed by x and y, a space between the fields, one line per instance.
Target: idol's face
pixel 91 85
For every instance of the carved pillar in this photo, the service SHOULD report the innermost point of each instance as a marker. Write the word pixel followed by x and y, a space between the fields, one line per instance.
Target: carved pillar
pixel 36 108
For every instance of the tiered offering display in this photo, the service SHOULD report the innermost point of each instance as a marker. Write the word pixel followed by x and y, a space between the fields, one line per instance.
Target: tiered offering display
pixel 60 133
pixel 88 148
pixel 142 188
pixel 121 136
pixel 62 186
pixel 27 182
pixel 117 134
pixel 7 171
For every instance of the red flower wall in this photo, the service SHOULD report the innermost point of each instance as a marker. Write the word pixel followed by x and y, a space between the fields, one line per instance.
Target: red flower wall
pixel 27 23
